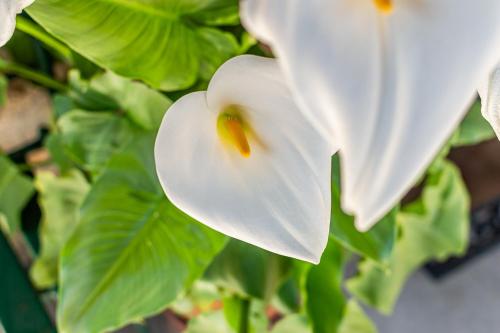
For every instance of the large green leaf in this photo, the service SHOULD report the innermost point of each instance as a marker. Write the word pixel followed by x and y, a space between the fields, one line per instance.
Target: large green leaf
pixel 60 199
pixel 133 251
pixel 434 227
pixel 295 323
pixel 249 271
pixel 376 244
pixel 15 191
pixel 325 299
pixel 166 43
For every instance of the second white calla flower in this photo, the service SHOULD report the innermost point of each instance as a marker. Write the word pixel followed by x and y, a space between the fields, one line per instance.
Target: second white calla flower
pixel 387 80
pixel 241 159
pixel 8 11
pixel 489 92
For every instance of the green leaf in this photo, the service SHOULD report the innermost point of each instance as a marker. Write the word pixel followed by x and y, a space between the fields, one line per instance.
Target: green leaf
pixel 91 138
pixel 474 128
pixel 376 244
pixel 325 299
pixel 434 227
pixel 4 84
pixel 249 271
pixel 108 91
pixel 15 192
pixel 245 313
pixel 355 320
pixel 295 323
pixel 60 198
pixel 133 252
pixel 166 43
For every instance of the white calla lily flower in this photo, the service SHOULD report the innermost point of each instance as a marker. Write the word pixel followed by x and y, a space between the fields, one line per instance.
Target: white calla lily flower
pixel 489 91
pixel 8 11
pixel 388 80
pixel 242 159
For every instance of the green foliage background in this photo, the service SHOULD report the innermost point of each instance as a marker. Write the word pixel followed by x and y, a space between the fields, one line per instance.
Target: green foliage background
pixel 118 251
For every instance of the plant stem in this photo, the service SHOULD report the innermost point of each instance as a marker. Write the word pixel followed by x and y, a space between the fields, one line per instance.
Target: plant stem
pixel 244 316
pixel 30 28
pixel 12 68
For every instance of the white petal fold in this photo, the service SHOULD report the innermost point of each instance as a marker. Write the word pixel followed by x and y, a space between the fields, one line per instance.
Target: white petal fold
pixel 8 11
pixel 388 88
pixel 489 92
pixel 278 198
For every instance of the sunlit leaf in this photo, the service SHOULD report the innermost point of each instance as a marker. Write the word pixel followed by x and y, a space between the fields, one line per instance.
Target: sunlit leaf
pixel 133 251
pixel 434 227
pixel 15 192
pixel 377 243
pixel 295 323
pixel 60 198
pixel 249 271
pixel 166 43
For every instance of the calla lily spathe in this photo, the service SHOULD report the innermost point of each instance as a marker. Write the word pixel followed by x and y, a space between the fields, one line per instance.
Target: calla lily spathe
pixel 241 159
pixel 387 80
pixel 489 92
pixel 8 11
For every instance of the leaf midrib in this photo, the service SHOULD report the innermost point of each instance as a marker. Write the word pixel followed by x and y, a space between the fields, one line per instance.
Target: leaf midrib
pixel 113 270
pixel 144 8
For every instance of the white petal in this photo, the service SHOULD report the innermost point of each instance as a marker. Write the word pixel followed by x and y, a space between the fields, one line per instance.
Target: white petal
pixel 391 88
pixel 489 92
pixel 8 9
pixel 21 4
pixel 279 197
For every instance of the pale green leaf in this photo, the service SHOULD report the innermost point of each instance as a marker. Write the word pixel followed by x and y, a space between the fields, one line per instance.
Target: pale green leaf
pixel 355 320
pixel 432 228
pixel 60 199
pixel 211 322
pixel 133 252
pixel 295 323
pixel 166 43
pixel 15 192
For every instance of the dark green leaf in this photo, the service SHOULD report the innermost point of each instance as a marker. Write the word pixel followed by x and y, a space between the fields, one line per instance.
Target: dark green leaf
pixel 249 271
pixel 377 243
pixel 325 299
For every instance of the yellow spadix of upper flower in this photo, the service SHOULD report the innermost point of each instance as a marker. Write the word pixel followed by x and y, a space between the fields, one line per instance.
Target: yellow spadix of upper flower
pixel 232 130
pixel 385 6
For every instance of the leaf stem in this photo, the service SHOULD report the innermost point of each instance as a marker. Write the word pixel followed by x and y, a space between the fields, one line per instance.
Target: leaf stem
pixel 30 28
pixel 12 68
pixel 244 316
